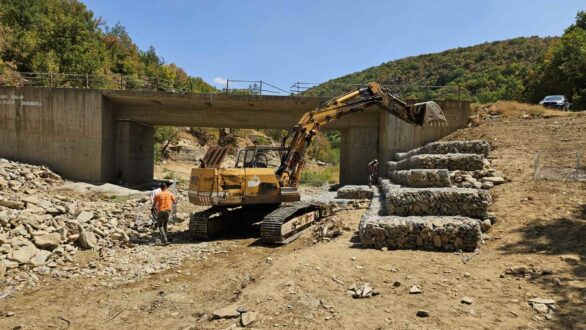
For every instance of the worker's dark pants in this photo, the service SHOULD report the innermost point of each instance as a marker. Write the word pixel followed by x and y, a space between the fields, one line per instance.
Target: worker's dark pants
pixel 162 220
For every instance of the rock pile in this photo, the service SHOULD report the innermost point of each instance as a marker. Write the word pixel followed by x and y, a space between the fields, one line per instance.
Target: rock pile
pixel 246 316
pixel 41 231
pixel 482 179
pixel 18 177
pixel 329 228
pixel 434 199
pixel 362 291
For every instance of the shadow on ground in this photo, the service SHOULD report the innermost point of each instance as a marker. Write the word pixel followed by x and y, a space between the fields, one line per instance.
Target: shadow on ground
pixel 564 236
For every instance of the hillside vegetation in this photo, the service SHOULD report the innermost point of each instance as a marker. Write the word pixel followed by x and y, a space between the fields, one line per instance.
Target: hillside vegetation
pixel 57 36
pixel 520 69
pixel 490 71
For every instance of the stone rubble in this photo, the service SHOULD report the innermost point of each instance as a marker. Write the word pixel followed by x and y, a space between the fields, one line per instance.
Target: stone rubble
pixel 542 306
pixel 328 229
pixel 42 231
pixel 362 291
pixel 481 179
pixel 479 147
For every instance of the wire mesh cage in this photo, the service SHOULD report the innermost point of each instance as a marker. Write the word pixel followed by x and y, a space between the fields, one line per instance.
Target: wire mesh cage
pixel 569 166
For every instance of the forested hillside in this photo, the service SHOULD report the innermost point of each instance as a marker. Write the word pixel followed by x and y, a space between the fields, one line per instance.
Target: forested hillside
pixel 58 36
pixel 490 71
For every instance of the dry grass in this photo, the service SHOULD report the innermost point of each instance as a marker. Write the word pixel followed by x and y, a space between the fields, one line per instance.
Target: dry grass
pixel 516 109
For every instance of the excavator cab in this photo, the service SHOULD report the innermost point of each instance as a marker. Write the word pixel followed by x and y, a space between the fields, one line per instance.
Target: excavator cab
pixel 259 157
pixel 251 181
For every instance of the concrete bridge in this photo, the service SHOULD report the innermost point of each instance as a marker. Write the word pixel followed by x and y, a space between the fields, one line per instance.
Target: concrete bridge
pixel 96 135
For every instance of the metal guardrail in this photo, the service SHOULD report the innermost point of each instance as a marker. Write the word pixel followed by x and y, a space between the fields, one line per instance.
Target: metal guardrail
pixel 96 81
pixel 404 91
pixel 233 86
pixel 255 87
pixel 131 82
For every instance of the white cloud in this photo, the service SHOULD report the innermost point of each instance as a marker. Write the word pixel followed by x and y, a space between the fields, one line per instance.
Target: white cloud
pixel 220 81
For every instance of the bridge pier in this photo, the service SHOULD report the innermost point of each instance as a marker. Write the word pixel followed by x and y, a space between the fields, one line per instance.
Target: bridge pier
pixel 133 153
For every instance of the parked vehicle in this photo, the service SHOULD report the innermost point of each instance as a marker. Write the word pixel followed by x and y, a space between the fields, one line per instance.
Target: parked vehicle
pixel 556 101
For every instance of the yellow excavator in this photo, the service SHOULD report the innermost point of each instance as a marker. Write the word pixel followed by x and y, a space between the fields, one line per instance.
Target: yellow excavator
pixel 252 192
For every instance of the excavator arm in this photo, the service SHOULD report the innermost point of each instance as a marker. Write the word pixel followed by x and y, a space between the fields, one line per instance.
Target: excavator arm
pixel 360 99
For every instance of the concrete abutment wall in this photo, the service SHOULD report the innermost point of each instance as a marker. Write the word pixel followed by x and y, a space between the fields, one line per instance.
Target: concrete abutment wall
pixel 58 128
pixel 100 136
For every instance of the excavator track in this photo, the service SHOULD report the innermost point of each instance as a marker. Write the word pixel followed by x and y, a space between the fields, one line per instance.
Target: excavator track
pixel 286 223
pixel 201 223
pixel 206 224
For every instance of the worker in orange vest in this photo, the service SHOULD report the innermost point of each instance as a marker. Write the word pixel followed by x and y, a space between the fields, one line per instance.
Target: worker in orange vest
pixel 163 202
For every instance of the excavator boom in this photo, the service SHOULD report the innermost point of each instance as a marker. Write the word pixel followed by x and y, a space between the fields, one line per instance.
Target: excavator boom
pixel 360 99
pixel 251 192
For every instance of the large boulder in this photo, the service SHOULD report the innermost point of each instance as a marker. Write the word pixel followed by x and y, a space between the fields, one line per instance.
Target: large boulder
pixel 41 257
pixel 23 254
pixel 12 204
pixel 87 239
pixel 47 241
pixel 85 216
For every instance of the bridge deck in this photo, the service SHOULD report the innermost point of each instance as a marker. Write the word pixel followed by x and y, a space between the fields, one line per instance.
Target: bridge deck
pixel 222 110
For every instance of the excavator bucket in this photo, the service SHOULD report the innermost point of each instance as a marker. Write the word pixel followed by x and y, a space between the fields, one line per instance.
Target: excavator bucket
pixel 425 113
pixel 428 113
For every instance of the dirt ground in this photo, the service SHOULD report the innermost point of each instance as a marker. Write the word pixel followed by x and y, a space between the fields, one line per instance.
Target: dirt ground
pixel 303 285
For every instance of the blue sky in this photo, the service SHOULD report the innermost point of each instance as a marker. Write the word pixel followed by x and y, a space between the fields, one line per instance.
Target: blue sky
pixel 282 42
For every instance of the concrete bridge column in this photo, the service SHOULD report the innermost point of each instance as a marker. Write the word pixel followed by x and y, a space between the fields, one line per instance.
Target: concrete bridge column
pixel 134 153
pixel 359 146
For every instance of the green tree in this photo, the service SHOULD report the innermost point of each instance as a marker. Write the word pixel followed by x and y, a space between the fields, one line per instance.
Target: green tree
pixel 564 68
pixel 123 54
pixel 489 72
pixel 63 36
pixel 53 36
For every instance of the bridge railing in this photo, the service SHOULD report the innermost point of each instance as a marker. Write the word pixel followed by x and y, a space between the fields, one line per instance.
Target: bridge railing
pixel 233 86
pixel 96 81
pixel 405 91
pixel 252 87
